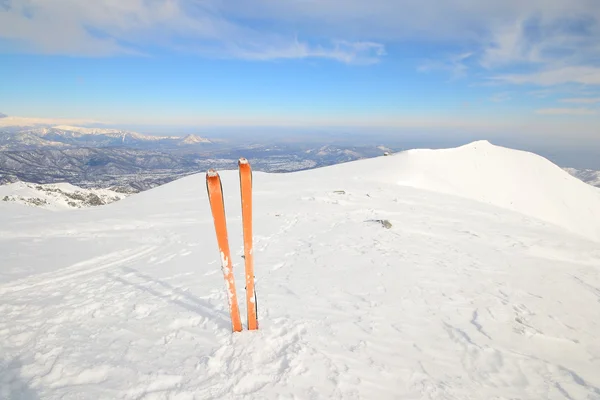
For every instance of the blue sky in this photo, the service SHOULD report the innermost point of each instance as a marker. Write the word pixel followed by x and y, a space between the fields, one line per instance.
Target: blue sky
pixel 517 67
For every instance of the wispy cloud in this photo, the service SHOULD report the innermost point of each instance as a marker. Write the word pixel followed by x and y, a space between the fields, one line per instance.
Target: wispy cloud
pixel 108 28
pixel 567 111
pixel 587 75
pixel 582 100
pixel 501 97
pixel 343 51
pixel 551 47
pixel 455 64
pixel 540 42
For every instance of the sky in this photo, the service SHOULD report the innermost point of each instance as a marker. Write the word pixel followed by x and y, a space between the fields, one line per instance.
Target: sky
pixel 495 67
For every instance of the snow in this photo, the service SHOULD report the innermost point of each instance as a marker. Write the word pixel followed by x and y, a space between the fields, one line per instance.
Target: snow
pixel 193 139
pixel 59 196
pixel 589 176
pixel 87 131
pixel 517 180
pixel 463 297
pixel 79 131
pixel 189 139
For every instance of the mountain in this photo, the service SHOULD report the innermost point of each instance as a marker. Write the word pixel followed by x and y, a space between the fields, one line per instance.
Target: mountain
pixel 587 175
pixel 25 140
pixel 193 139
pixel 57 196
pixel 127 170
pixel 426 274
pixel 72 136
pixel 133 169
pixel 472 171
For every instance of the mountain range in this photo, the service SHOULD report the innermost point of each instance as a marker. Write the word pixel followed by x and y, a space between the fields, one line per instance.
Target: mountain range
pixel 63 136
pixel 130 162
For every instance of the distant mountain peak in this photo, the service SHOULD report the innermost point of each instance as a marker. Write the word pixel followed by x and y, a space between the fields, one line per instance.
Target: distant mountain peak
pixel 193 139
pixel 3 115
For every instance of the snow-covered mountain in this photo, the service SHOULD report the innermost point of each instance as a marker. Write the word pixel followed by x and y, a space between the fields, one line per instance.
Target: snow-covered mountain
pixel 57 196
pixel 73 136
pixel 542 190
pixel 587 175
pixel 193 139
pixel 484 285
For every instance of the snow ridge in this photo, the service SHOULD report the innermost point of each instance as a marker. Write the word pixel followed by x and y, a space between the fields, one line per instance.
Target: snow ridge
pixel 517 180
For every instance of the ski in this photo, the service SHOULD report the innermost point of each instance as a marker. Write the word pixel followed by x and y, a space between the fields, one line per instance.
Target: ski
pixel 245 172
pixel 217 206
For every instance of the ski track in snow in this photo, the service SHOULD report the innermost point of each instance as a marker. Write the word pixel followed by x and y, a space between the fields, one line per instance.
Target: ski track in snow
pixel 457 300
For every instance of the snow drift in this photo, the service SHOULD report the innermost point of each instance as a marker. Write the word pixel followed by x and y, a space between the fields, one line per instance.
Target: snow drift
pixel 458 299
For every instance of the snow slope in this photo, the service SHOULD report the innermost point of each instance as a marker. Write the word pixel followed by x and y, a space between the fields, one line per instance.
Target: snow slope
pixel 458 299
pixel 59 196
pixel 516 180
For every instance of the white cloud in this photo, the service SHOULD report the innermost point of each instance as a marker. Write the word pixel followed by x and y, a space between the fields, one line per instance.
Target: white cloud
pixel 556 37
pixel 582 100
pixel 455 64
pixel 113 27
pixel 347 52
pixel 501 97
pixel 567 111
pixel 587 75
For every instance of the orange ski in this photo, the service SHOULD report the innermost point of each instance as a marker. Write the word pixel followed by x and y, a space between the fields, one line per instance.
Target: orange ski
pixel 246 192
pixel 215 196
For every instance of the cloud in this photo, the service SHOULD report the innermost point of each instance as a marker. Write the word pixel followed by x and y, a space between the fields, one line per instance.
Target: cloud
pixel 500 97
pixel 582 100
pixel 112 27
pixel 548 47
pixel 587 75
pixel 455 64
pixel 567 111
pixel 511 39
pixel 343 51
pixel 3 115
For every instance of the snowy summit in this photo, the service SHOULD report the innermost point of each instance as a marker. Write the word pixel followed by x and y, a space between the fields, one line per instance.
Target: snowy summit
pixel 484 285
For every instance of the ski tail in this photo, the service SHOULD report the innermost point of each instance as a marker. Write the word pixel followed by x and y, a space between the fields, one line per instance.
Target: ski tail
pixel 217 206
pixel 245 172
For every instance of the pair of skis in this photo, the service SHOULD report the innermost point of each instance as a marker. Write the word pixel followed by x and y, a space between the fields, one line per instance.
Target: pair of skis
pixel 217 206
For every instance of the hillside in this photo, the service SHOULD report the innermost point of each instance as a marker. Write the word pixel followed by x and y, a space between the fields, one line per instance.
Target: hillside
pixel 57 196
pixel 470 292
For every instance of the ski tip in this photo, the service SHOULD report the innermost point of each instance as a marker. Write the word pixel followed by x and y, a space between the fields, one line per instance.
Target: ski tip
pixel 212 173
pixel 242 160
